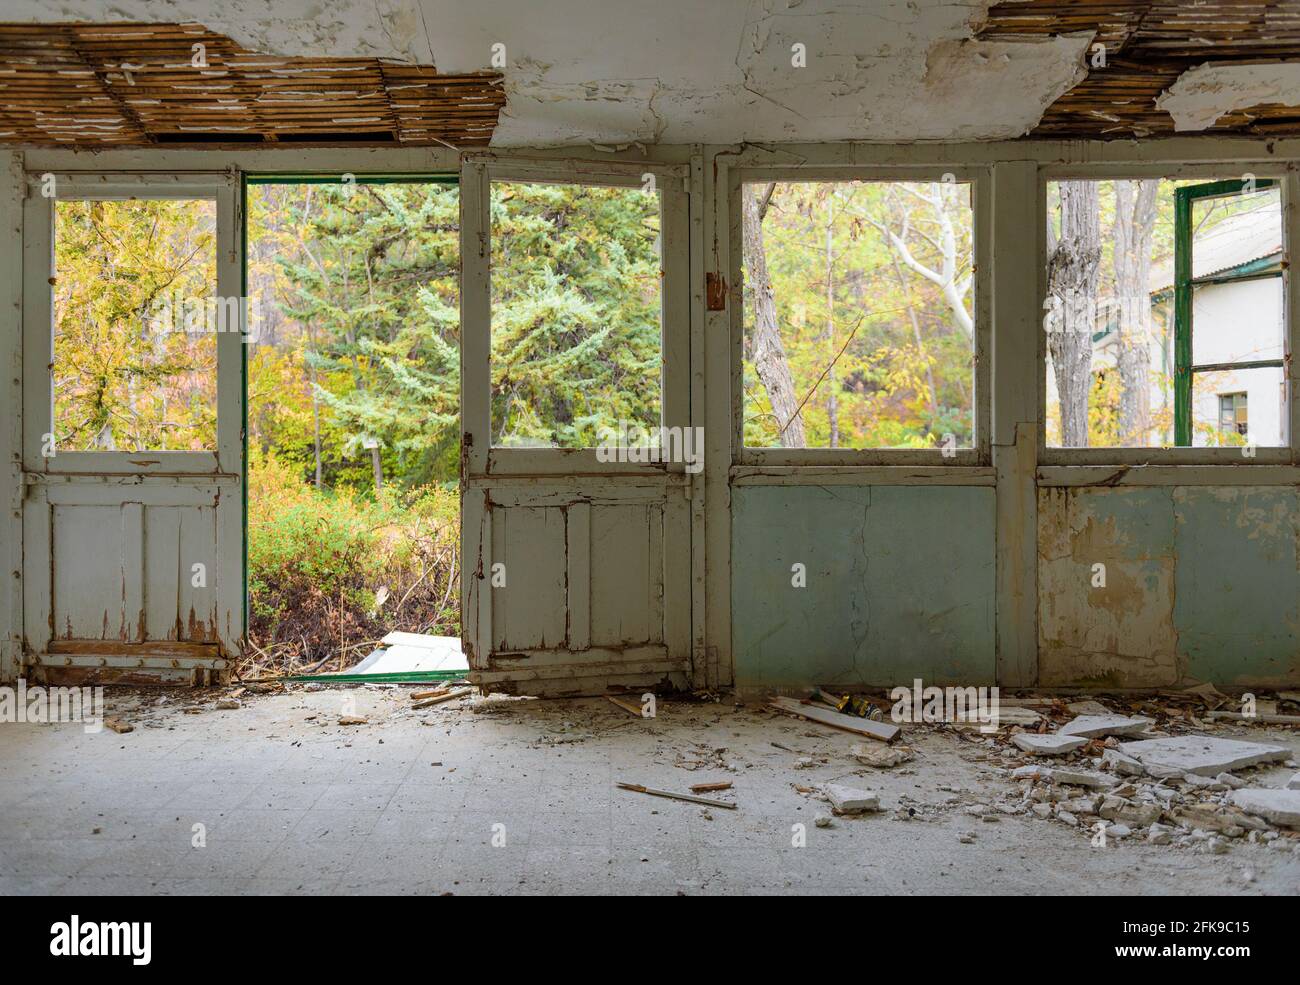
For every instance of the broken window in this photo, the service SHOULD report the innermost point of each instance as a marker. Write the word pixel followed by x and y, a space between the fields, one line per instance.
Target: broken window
pixel 1163 296
pixel 136 314
pixel 859 328
pixel 577 296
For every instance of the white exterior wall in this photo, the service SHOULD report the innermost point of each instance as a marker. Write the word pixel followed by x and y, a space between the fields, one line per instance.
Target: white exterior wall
pixel 1235 322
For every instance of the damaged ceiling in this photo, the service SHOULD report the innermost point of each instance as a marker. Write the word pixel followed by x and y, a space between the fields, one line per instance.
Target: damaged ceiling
pixel 133 84
pixel 680 71
pixel 1170 65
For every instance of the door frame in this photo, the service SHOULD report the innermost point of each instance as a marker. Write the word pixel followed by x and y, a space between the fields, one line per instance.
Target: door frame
pixel 529 477
pixel 124 478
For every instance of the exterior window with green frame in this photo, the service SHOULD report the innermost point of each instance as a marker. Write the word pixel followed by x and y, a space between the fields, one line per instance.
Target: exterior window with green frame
pixel 1229 329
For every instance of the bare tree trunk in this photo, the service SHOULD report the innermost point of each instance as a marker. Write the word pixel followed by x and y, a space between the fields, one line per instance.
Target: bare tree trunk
pixel 1073 267
pixel 1135 218
pixel 378 467
pixel 769 354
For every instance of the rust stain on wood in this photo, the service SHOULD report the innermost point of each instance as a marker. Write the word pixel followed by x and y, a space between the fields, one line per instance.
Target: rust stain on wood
pixel 715 289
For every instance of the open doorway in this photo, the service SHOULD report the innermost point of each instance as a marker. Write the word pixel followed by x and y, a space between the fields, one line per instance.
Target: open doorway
pixel 353 404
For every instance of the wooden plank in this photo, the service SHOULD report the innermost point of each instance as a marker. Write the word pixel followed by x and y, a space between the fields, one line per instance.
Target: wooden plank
pixel 438 699
pixel 631 707
pixel 1017 380
pixel 671 795
pixel 825 716
pixel 83 84
pixel 578 547
pixel 12 185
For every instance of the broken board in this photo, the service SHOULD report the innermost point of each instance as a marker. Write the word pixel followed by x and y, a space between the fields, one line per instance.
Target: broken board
pixel 881 731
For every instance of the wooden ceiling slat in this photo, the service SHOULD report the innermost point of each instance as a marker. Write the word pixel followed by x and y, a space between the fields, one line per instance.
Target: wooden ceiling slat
pixel 135 83
pixel 1149 44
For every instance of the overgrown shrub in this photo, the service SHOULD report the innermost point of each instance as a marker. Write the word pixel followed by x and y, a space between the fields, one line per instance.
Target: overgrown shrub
pixel 332 571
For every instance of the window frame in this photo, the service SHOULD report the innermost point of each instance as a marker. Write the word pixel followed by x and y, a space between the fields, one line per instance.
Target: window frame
pixel 477 174
pixel 979 177
pixel 38 322
pixel 1262 170
pixel 1185 368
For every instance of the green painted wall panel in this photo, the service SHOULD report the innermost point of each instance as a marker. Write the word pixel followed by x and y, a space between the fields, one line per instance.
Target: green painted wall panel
pixel 900 584
pixel 1237 594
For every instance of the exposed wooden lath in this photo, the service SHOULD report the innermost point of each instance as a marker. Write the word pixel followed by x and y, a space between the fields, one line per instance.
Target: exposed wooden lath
pixel 132 84
pixel 1149 44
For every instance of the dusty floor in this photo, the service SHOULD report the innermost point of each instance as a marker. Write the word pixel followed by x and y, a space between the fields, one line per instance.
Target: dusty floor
pixel 277 797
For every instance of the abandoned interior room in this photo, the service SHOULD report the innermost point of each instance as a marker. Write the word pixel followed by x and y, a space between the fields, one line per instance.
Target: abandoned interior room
pixel 676 448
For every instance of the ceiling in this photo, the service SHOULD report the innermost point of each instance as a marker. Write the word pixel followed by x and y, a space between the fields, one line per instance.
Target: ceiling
pixel 674 71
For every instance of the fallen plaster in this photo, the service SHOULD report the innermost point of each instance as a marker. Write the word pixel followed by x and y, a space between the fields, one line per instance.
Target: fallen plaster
pixel 1203 94
pixel 676 71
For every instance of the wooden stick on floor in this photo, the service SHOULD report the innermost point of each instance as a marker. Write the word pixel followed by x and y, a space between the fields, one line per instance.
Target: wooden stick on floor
pixel 638 788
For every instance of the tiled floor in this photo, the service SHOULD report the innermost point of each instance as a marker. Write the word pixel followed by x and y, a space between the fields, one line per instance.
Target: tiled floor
pixel 512 796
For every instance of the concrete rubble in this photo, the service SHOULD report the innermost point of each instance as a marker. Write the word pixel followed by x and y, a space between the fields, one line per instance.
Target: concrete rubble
pixel 1047 745
pixel 1200 754
pixel 1279 806
pixel 1091 726
pixel 850 800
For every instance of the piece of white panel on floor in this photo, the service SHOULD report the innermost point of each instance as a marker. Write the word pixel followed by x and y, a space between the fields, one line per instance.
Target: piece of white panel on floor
pixel 405 653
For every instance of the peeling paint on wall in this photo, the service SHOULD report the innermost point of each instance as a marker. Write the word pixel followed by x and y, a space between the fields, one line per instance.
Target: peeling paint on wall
pixel 1201 584
pixel 1121 633
pixel 1204 93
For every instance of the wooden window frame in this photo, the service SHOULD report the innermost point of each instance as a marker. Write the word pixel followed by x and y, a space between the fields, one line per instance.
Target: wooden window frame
pixel 979 453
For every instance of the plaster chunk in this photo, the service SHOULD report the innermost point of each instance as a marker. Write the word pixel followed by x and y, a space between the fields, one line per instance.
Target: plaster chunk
pixel 1092 726
pixel 1047 745
pixel 1201 754
pixel 1279 806
pixel 1201 95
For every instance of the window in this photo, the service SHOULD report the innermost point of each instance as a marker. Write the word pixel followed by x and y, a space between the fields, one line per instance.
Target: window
pixel 135 312
pixel 577 299
pixel 1232 413
pixel 859 327
pixel 1163 296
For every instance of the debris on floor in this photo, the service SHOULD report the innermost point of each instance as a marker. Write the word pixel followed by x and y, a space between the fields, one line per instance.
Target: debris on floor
pixel 629 706
pixel 429 698
pixel 826 716
pixel 403 658
pixel 1200 754
pixel 850 800
pixel 671 795
pixel 881 757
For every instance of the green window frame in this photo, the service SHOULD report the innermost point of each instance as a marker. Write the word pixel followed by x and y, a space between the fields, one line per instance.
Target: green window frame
pixel 1184 369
